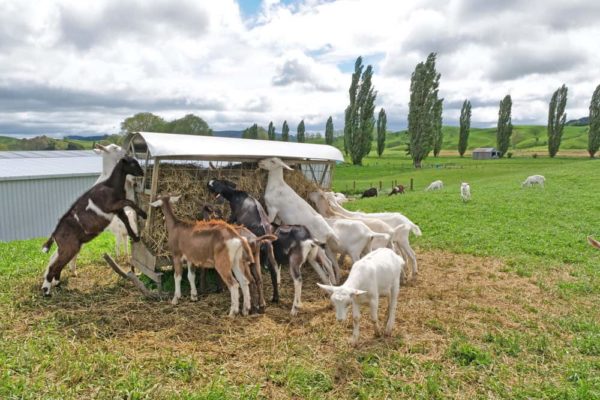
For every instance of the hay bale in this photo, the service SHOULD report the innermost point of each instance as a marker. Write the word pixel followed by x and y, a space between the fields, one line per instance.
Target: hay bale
pixel 189 180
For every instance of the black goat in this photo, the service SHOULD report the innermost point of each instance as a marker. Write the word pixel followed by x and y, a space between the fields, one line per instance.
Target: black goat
pixel 371 192
pixel 87 218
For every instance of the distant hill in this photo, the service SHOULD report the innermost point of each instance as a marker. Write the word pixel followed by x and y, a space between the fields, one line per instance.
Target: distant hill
pixel 231 134
pixel 579 122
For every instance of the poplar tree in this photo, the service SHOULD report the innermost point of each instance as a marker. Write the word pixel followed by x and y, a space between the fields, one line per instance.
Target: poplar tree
pixel 504 131
pixel 556 119
pixel 271 131
pixel 424 84
pixel 300 132
pixel 285 132
pixel 465 126
pixel 594 129
pixel 329 131
pixel 438 135
pixel 381 128
pixel 359 119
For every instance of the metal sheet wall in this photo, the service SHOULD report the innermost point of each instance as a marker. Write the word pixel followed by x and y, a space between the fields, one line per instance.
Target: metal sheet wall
pixel 31 208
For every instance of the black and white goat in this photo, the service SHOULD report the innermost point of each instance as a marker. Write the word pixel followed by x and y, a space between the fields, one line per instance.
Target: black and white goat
pixel 88 217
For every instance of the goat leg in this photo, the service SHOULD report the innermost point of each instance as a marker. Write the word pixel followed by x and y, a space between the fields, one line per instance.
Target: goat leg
pixel 123 217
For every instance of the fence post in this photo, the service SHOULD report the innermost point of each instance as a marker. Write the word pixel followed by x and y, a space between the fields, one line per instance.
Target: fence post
pixel 353 186
pixel 411 183
pixel 380 186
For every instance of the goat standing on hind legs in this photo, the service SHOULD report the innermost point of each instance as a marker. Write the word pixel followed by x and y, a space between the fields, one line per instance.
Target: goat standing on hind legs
pixel 88 217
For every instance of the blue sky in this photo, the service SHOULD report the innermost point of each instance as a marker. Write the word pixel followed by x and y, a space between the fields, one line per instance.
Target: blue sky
pixel 239 63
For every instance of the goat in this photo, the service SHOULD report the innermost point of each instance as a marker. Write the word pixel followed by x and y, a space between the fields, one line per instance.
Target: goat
pixel 283 202
pixel 370 192
pixel 247 211
pixel 340 198
pixel 376 274
pixel 593 242
pixel 435 185
pixel 294 246
pixel 534 180
pixel 394 224
pixel 88 217
pixel 465 191
pixel 356 238
pixel 207 244
pixel 397 190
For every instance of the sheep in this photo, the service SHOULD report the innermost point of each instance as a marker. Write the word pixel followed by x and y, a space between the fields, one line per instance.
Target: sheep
pixel 207 244
pixel 370 192
pixel 283 202
pixel 397 190
pixel 376 274
pixel 465 191
pixel 534 180
pixel 435 185
pixel 89 215
pixel 593 242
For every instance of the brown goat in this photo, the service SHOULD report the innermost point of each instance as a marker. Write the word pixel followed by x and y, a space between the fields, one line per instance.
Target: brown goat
pixel 397 190
pixel 88 217
pixel 208 244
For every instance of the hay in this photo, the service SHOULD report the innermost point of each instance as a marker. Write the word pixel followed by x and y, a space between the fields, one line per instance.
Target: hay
pixel 189 180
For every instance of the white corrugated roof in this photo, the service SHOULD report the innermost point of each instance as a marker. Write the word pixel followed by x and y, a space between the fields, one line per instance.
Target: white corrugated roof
pixel 173 145
pixel 20 165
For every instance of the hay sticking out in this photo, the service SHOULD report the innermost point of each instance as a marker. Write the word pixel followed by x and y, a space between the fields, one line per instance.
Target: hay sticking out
pixel 189 180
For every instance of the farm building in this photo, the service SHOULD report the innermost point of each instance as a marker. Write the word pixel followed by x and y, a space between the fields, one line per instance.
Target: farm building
pixel 183 164
pixel 485 153
pixel 37 187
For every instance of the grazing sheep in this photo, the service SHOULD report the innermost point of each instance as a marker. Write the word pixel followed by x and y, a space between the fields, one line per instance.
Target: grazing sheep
pixel 465 191
pixel 534 180
pixel 370 192
pixel 435 185
pixel 376 274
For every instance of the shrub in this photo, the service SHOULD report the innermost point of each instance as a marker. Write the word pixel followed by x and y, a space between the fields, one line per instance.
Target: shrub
pixel 509 154
pixel 534 155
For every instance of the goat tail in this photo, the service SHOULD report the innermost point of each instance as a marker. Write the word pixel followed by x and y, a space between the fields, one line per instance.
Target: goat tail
pixel 415 229
pixel 266 238
pixel 48 244
pixel 247 249
pixel 593 242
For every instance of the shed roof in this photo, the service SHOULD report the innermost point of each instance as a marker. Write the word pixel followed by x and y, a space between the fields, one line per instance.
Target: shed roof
pixel 484 150
pixel 210 147
pixel 22 165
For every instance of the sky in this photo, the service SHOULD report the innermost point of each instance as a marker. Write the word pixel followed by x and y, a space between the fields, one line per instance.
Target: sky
pixel 81 67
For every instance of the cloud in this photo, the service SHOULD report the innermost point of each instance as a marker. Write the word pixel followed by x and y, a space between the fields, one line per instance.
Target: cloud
pixel 304 71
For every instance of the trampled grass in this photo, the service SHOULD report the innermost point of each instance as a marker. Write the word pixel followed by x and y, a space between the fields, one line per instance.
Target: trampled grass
pixel 507 305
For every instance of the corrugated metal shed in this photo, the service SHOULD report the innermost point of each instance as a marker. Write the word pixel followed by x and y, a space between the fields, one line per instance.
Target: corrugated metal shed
pixel 37 187
pixel 485 153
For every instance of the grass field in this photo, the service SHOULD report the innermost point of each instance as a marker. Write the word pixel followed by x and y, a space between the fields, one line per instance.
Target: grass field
pixel 507 305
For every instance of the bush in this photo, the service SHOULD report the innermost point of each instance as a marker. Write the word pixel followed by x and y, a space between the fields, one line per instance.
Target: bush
pixel 509 154
pixel 534 155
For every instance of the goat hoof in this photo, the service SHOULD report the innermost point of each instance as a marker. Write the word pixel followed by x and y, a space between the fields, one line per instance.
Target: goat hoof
pixel 143 214
pixel 174 301
pixel 135 238
pixel 294 312
pixel 275 300
pixel 46 292
pixel 194 297
pixel 262 309
pixel 244 312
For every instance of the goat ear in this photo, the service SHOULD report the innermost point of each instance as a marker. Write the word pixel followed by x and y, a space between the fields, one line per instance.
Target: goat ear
pixel 356 292
pixel 157 203
pixel 174 199
pixel 327 288
pixel 101 148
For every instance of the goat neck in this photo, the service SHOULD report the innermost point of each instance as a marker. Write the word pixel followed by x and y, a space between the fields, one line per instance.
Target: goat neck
pixel 170 219
pixel 116 180
pixel 275 175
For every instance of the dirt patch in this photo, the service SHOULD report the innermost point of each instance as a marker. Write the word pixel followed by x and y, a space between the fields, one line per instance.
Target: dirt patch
pixel 453 295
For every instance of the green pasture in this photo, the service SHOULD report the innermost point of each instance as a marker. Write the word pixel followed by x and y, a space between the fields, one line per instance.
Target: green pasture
pixel 529 326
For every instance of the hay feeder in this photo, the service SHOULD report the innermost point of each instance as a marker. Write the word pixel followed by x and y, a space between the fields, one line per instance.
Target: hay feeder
pixel 183 164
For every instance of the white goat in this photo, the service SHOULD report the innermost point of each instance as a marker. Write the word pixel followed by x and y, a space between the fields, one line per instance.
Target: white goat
pixel 340 198
pixel 376 274
pixel 355 237
pixel 465 191
pixel 435 185
pixel 283 202
pixel 394 224
pixel 534 180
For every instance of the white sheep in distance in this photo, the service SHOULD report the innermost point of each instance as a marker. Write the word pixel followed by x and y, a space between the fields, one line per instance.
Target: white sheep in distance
pixel 435 185
pixel 465 191
pixel 534 180
pixel 376 274
pixel 283 202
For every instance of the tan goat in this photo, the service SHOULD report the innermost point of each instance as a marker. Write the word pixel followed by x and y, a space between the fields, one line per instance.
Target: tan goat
pixel 208 244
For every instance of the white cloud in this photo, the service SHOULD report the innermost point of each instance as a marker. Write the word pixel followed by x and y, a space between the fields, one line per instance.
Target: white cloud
pixel 68 66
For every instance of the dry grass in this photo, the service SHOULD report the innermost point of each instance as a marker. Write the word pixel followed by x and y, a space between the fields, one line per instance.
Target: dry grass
pixel 454 295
